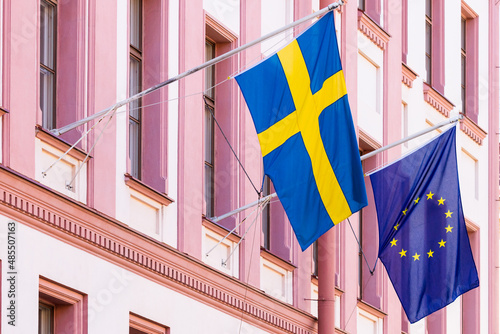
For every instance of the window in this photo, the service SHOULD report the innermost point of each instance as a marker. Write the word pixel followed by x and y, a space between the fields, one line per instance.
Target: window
pixel 315 258
pixel 361 4
pixel 48 24
pixel 469 62
pixel 60 309
pixel 266 215
pixel 209 130
pixel 45 319
pixel 428 41
pixel 463 76
pixel 434 44
pixel 404 32
pixel 140 325
pixel 135 86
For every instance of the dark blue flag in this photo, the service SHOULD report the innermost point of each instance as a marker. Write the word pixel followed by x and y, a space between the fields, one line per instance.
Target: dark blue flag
pixel 298 101
pixel 423 240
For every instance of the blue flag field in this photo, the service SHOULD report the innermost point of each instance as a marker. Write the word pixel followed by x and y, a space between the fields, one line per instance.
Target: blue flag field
pixel 298 102
pixel 423 241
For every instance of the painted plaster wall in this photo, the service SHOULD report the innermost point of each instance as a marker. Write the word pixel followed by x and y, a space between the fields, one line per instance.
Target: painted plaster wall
pixel 112 291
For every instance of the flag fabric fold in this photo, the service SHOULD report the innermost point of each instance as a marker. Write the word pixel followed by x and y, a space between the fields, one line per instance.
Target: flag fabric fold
pixel 298 102
pixel 423 241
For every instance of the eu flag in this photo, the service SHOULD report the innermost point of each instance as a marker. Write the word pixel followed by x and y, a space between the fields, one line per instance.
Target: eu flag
pixel 299 106
pixel 423 240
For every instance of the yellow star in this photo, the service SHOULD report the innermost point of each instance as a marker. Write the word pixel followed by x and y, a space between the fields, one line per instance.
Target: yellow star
pixel 396 227
pixel 441 201
pixel 429 195
pixel 393 242
pixel 448 214
pixel 441 243
pixel 405 211
pixel 430 252
pixel 448 228
pixel 416 201
pixel 403 252
pixel 416 257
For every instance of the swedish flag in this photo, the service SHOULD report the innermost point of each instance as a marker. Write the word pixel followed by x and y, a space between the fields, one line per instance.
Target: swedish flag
pixel 423 239
pixel 299 106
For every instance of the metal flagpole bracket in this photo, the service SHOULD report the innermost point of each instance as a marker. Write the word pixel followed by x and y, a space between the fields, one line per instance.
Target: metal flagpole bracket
pixel 66 128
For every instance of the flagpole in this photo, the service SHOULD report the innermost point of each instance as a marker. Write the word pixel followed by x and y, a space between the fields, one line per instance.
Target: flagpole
pixel 211 62
pixel 363 157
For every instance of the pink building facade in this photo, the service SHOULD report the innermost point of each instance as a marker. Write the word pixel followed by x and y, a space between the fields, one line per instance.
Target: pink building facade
pixel 118 234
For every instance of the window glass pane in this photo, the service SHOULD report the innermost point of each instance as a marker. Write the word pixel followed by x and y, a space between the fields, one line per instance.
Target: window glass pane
pixel 136 24
pixel 361 4
pixel 209 135
pixel 47 34
pixel 47 84
pixel 45 319
pixel 463 38
pixel 428 8
pixel 135 86
pixel 266 214
pixel 210 71
pixel 134 148
pixel 209 193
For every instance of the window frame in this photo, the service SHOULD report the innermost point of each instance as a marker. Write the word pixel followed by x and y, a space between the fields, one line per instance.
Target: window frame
pixel 135 86
pixel 48 67
pixel 209 138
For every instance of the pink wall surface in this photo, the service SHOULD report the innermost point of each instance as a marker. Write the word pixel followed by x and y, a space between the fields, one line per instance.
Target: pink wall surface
pixel 190 182
pixel 23 99
pixel 102 76
pixel 249 150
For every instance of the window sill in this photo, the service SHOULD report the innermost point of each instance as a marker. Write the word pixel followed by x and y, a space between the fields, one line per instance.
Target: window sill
pixel 371 309
pixel 437 101
pixel 471 129
pixel 233 237
pixel 265 254
pixel 146 190
pixel 48 138
pixel 408 75
pixel 372 30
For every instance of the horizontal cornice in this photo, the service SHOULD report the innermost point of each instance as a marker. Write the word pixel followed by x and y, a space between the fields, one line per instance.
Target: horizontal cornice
pixel 35 205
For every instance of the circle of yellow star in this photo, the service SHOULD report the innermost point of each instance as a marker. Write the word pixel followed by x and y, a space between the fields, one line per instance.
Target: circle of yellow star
pixel 448 228
pixel 429 195
pixel 442 243
pixel 416 257
pixel 403 252
pixel 416 201
pixel 448 214
pixel 393 242
pixel 430 252
pixel 441 201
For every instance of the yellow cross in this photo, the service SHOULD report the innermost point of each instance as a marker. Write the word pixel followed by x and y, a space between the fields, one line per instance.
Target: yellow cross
pixel 305 120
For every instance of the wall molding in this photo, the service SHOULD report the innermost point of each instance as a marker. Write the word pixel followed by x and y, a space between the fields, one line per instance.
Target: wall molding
pixel 146 190
pixel 372 30
pixel 407 75
pixel 437 101
pixel 471 129
pixel 36 206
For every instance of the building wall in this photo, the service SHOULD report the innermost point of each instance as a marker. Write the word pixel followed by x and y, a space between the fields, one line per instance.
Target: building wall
pixel 123 248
